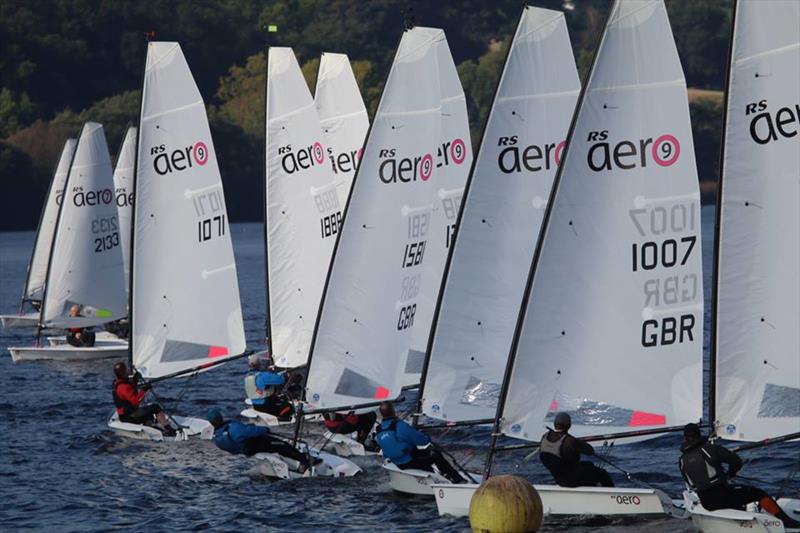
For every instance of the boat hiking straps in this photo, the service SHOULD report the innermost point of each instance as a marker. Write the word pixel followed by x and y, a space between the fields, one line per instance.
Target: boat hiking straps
pixel 324 439
pixel 455 462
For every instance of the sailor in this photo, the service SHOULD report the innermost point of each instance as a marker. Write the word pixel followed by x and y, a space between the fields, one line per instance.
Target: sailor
pixel 238 438
pixel 702 466
pixel 128 400
pixel 264 386
pixel 351 422
pixel 79 337
pixel 408 448
pixel 560 452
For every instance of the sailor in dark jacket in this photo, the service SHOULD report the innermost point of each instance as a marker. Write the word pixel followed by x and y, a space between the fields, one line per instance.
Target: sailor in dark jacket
pixel 399 443
pixel 702 465
pixel 248 439
pixel 560 452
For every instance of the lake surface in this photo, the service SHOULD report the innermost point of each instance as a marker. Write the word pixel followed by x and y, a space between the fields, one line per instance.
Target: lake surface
pixel 63 470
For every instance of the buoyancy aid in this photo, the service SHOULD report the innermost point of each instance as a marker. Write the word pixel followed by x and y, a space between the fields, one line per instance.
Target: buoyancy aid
pixel 250 388
pixel 699 468
pixel 393 448
pixel 124 407
pixel 553 448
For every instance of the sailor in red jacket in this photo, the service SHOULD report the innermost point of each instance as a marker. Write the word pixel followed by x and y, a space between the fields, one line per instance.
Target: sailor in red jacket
pixel 128 400
pixel 348 423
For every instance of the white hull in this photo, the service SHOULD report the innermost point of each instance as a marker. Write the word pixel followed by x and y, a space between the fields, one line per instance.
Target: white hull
pixel 191 428
pixel 453 500
pixel 28 320
pixel 276 466
pixel 65 352
pixel 263 419
pixel 726 520
pixel 101 338
pixel 418 482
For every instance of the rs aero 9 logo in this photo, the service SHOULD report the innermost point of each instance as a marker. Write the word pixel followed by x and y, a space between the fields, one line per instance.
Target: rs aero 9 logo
pixel 166 161
pixel 663 150
pixel 302 159
pixel 408 169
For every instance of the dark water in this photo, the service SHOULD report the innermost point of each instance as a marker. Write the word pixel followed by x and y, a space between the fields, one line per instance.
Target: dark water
pixel 62 470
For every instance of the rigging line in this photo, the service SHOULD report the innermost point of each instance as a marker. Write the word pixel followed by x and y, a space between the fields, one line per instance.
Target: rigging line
pixel 628 475
pixel 166 413
pixel 448 455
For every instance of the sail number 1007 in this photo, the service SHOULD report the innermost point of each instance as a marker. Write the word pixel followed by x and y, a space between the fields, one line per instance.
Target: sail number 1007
pixel 668 253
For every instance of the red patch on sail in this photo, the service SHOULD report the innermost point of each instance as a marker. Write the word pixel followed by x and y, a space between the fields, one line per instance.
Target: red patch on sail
pixel 640 418
pixel 381 393
pixel 217 351
pixel 554 406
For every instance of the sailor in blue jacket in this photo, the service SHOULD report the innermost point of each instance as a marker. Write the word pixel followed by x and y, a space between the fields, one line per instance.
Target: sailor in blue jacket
pixel 264 387
pixel 238 438
pixel 399 443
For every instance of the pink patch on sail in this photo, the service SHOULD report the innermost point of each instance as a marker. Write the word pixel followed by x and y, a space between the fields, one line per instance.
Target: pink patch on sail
pixel 217 351
pixel 381 393
pixel 554 406
pixel 640 418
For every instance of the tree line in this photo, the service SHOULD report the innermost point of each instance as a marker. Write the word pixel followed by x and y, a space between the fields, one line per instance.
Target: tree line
pixel 66 61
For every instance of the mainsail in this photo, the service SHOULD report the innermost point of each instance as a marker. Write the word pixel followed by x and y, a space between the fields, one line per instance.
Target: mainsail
pixel 612 321
pixel 343 118
pixel 185 295
pixel 37 269
pixel 86 257
pixel 499 228
pixel 453 160
pixel 368 308
pixel 303 209
pixel 123 191
pixel 756 339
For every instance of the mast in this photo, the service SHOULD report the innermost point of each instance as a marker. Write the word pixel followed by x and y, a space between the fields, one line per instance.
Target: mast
pixel 537 253
pixel 438 305
pixel 134 183
pixel 712 373
pixel 40 325
pixel 268 317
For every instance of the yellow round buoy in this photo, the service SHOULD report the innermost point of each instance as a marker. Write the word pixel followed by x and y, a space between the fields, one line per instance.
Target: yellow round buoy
pixel 505 504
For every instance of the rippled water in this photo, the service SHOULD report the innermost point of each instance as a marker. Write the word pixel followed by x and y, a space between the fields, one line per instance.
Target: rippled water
pixel 62 470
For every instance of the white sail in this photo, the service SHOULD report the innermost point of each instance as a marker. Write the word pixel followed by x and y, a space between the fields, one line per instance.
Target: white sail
pixel 613 328
pixel 367 312
pixel 304 209
pixel 37 271
pixel 504 205
pixel 343 118
pixel 185 300
pixel 123 190
pixel 758 287
pixel 453 161
pixel 86 258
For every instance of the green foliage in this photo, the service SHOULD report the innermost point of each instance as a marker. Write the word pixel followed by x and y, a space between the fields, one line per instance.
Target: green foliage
pixel 23 188
pixel 15 111
pixel 707 127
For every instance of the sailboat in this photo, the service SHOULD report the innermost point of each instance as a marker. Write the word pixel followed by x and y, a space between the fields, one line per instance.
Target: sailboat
pixel 303 210
pixel 84 270
pixel 610 328
pixel 37 267
pixel 503 209
pixel 184 305
pixel 755 368
pixel 363 330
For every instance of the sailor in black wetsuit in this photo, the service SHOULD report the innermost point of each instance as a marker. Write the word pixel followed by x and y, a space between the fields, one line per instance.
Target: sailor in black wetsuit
pixel 560 452
pixel 702 466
